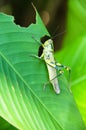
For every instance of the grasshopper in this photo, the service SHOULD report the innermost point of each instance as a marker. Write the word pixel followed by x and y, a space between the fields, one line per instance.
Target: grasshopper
pixel 52 65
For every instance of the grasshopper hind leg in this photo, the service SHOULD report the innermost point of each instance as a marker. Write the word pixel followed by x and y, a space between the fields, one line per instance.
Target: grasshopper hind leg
pixel 54 82
pixel 58 65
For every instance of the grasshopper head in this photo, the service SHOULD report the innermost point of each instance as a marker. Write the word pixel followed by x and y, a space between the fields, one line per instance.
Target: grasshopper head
pixel 48 45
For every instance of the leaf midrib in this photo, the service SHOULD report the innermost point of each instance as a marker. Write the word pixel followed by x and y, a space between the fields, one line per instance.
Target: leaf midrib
pixel 18 74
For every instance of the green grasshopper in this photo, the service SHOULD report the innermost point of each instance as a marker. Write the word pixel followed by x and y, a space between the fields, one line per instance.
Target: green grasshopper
pixel 52 65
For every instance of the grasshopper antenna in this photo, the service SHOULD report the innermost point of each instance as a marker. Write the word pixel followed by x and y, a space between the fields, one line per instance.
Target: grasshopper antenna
pixel 36 40
pixel 54 35
pixel 58 34
pixel 55 30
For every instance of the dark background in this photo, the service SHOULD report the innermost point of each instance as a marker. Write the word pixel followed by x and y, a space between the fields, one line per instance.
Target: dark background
pixel 52 12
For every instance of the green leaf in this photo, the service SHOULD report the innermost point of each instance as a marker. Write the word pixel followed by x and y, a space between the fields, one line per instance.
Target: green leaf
pixel 4 125
pixel 74 52
pixel 23 101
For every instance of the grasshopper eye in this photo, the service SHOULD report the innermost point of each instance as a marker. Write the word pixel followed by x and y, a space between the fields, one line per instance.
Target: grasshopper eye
pixel 52 46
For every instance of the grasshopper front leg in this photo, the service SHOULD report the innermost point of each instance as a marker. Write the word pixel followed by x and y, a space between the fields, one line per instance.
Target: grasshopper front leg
pixel 38 57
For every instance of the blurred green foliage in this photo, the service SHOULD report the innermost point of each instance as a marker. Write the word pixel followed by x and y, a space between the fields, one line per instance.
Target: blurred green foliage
pixel 74 52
